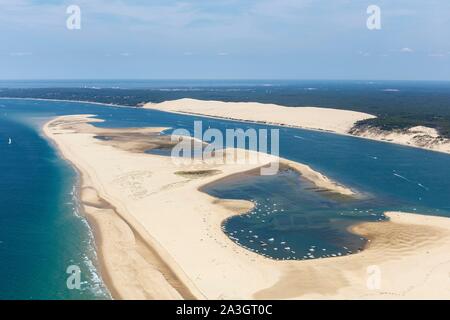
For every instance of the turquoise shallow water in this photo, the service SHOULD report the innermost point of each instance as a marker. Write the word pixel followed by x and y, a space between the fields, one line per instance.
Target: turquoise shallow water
pixel 41 229
pixel 41 232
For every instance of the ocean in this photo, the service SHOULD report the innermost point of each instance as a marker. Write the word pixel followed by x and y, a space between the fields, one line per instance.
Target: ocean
pixel 43 232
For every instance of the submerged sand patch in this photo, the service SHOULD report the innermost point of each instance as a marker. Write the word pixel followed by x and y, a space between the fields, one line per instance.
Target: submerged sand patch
pixel 193 174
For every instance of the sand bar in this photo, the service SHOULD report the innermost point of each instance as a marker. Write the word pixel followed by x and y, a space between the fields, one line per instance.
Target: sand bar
pixel 160 237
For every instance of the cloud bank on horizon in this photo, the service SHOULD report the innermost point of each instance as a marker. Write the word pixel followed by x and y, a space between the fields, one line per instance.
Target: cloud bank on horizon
pixel 266 39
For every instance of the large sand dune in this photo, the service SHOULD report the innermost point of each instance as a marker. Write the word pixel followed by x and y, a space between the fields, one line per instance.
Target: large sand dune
pixel 335 120
pixel 160 237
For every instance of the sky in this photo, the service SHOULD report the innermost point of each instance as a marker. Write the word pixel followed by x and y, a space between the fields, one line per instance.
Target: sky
pixel 225 39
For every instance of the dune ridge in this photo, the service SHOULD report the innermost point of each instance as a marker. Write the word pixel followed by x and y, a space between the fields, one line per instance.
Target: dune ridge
pixel 338 121
pixel 326 119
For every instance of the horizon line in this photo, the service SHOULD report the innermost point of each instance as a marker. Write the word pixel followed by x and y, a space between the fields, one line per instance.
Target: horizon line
pixel 221 79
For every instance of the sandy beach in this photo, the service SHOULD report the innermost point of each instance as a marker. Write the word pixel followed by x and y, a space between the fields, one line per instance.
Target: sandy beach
pixel 326 119
pixel 159 237
pixel 419 137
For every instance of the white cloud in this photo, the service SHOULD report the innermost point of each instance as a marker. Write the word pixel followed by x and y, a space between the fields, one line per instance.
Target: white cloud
pixel 406 50
pixel 280 8
pixel 364 54
pixel 20 54
pixel 436 55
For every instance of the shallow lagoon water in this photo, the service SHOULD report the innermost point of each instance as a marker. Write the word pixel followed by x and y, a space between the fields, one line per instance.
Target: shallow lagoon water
pixel 291 218
pixel 41 234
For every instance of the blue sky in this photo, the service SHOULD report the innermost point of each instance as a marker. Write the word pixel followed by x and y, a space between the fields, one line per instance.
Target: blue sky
pixel 223 39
